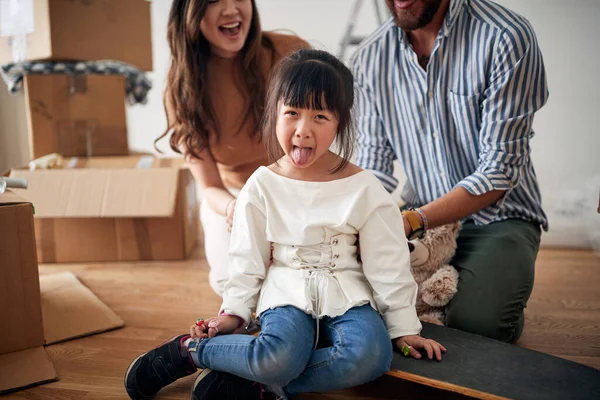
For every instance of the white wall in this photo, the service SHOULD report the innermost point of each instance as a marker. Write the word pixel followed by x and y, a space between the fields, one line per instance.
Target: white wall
pixel 566 148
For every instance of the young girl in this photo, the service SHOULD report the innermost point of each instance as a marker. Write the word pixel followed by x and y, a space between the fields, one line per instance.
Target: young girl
pixel 294 261
pixel 220 64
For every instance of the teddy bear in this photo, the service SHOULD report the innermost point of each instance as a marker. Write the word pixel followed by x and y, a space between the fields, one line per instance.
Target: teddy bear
pixel 437 280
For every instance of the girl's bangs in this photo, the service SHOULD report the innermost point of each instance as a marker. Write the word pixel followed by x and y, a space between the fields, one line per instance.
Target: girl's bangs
pixel 311 85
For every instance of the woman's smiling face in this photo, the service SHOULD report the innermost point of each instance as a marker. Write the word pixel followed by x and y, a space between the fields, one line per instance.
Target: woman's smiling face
pixel 225 26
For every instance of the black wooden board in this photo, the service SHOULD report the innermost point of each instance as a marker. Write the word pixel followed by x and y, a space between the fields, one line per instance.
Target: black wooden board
pixel 485 368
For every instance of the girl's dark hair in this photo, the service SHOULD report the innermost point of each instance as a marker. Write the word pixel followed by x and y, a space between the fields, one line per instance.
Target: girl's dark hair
pixel 311 79
pixel 187 92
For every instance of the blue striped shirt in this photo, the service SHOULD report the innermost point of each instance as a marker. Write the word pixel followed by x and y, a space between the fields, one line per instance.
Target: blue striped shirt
pixel 466 121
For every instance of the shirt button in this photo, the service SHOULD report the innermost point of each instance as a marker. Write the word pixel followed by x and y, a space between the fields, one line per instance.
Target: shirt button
pixel 335 241
pixel 295 259
pixel 442 174
pixel 435 134
pixel 335 256
pixel 430 94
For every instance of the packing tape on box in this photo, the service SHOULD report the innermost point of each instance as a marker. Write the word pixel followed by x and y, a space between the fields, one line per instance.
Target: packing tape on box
pixel 145 162
pixel 16 21
pixel 72 163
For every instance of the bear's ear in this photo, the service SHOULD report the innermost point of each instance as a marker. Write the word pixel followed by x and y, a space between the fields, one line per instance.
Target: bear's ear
pixel 411 247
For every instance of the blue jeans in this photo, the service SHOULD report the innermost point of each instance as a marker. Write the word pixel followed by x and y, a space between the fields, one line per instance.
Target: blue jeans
pixel 283 357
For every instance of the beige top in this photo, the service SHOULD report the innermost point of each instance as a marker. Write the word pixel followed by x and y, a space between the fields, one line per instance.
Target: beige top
pixel 237 154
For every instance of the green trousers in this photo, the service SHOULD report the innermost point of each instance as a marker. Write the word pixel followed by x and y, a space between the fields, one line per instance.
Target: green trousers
pixel 496 266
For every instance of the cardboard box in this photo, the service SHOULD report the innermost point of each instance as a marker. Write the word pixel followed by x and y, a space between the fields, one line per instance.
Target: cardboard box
pixel 72 116
pixel 113 209
pixel 23 361
pixel 14 140
pixel 78 30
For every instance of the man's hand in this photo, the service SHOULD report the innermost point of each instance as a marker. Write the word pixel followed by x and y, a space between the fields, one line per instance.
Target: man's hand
pixel 416 342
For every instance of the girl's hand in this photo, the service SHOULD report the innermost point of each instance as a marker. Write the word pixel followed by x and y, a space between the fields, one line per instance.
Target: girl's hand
pixel 229 209
pixel 210 328
pixel 416 342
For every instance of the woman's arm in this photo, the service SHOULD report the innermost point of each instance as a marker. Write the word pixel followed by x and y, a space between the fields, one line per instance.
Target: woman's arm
pixel 207 175
pixel 205 172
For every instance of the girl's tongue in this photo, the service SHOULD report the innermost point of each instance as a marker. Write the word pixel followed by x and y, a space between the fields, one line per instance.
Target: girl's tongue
pixel 301 154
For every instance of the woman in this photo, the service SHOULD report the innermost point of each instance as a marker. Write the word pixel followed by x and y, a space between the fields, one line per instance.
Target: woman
pixel 221 62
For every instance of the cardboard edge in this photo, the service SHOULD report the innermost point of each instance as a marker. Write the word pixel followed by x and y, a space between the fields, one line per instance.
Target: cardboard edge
pixel 17 389
pixel 90 333
pixel 42 380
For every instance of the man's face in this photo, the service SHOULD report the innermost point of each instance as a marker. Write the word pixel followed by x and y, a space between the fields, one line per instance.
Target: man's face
pixel 413 14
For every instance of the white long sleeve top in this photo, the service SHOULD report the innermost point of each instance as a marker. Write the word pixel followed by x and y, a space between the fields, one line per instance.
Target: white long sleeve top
pixel 314 228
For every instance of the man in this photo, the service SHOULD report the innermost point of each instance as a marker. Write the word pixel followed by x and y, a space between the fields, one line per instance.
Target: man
pixel 450 89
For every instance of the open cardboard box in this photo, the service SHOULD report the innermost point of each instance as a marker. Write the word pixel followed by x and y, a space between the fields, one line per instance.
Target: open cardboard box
pixel 78 30
pixel 23 360
pixel 81 115
pixel 127 208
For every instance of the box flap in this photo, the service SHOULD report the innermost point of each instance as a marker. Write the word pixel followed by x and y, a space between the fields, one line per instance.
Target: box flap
pixel 131 161
pixel 70 310
pixel 92 193
pixel 26 368
pixel 9 198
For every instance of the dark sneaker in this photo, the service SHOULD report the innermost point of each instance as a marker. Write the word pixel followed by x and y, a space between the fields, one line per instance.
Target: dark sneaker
pixel 157 368
pixel 216 385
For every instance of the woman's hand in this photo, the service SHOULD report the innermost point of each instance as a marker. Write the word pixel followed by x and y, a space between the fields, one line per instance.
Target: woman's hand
pixel 210 328
pixel 416 342
pixel 229 209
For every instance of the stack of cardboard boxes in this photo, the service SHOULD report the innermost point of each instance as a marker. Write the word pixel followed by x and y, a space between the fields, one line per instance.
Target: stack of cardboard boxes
pixel 103 204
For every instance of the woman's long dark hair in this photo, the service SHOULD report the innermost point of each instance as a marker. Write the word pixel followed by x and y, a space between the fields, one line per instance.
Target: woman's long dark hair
pixel 187 91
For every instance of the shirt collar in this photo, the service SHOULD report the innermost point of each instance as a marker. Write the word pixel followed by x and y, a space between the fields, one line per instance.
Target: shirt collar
pixel 454 10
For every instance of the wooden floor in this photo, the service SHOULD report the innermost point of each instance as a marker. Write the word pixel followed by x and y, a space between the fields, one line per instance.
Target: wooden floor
pixel 159 300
